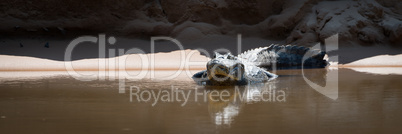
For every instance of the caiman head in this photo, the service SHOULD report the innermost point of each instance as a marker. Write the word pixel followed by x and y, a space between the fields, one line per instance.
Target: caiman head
pixel 228 70
pixel 225 70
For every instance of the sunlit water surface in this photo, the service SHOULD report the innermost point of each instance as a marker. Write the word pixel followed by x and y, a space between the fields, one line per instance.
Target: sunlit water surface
pixel 360 103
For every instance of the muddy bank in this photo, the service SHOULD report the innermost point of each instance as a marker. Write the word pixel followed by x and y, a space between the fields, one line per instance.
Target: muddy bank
pixel 364 22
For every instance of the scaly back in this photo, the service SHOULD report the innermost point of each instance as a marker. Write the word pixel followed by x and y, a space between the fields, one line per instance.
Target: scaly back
pixel 285 57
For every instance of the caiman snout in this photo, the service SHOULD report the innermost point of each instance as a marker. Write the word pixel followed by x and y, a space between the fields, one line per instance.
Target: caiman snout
pixel 219 71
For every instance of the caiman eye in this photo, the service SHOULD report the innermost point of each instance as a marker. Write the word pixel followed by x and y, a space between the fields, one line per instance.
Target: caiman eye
pixel 216 54
pixel 230 57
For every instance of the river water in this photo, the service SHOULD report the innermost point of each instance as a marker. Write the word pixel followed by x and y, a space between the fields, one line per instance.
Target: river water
pixel 313 101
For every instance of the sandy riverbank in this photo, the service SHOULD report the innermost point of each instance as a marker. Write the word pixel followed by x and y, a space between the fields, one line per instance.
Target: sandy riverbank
pixel 34 57
pixel 170 61
pixel 176 60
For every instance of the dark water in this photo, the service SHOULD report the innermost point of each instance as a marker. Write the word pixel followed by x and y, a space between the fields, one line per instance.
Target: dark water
pixel 358 103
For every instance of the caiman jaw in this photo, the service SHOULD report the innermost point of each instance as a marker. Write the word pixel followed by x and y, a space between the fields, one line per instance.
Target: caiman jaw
pixel 217 70
pixel 220 72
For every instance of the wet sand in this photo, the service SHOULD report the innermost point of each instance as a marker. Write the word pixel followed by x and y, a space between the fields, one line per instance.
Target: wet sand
pixel 366 103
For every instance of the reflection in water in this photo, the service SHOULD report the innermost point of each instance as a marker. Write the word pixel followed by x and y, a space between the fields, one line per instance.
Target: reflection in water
pixel 223 109
pixel 318 76
pixel 379 70
pixel 223 112
pixel 225 103
pixel 367 103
